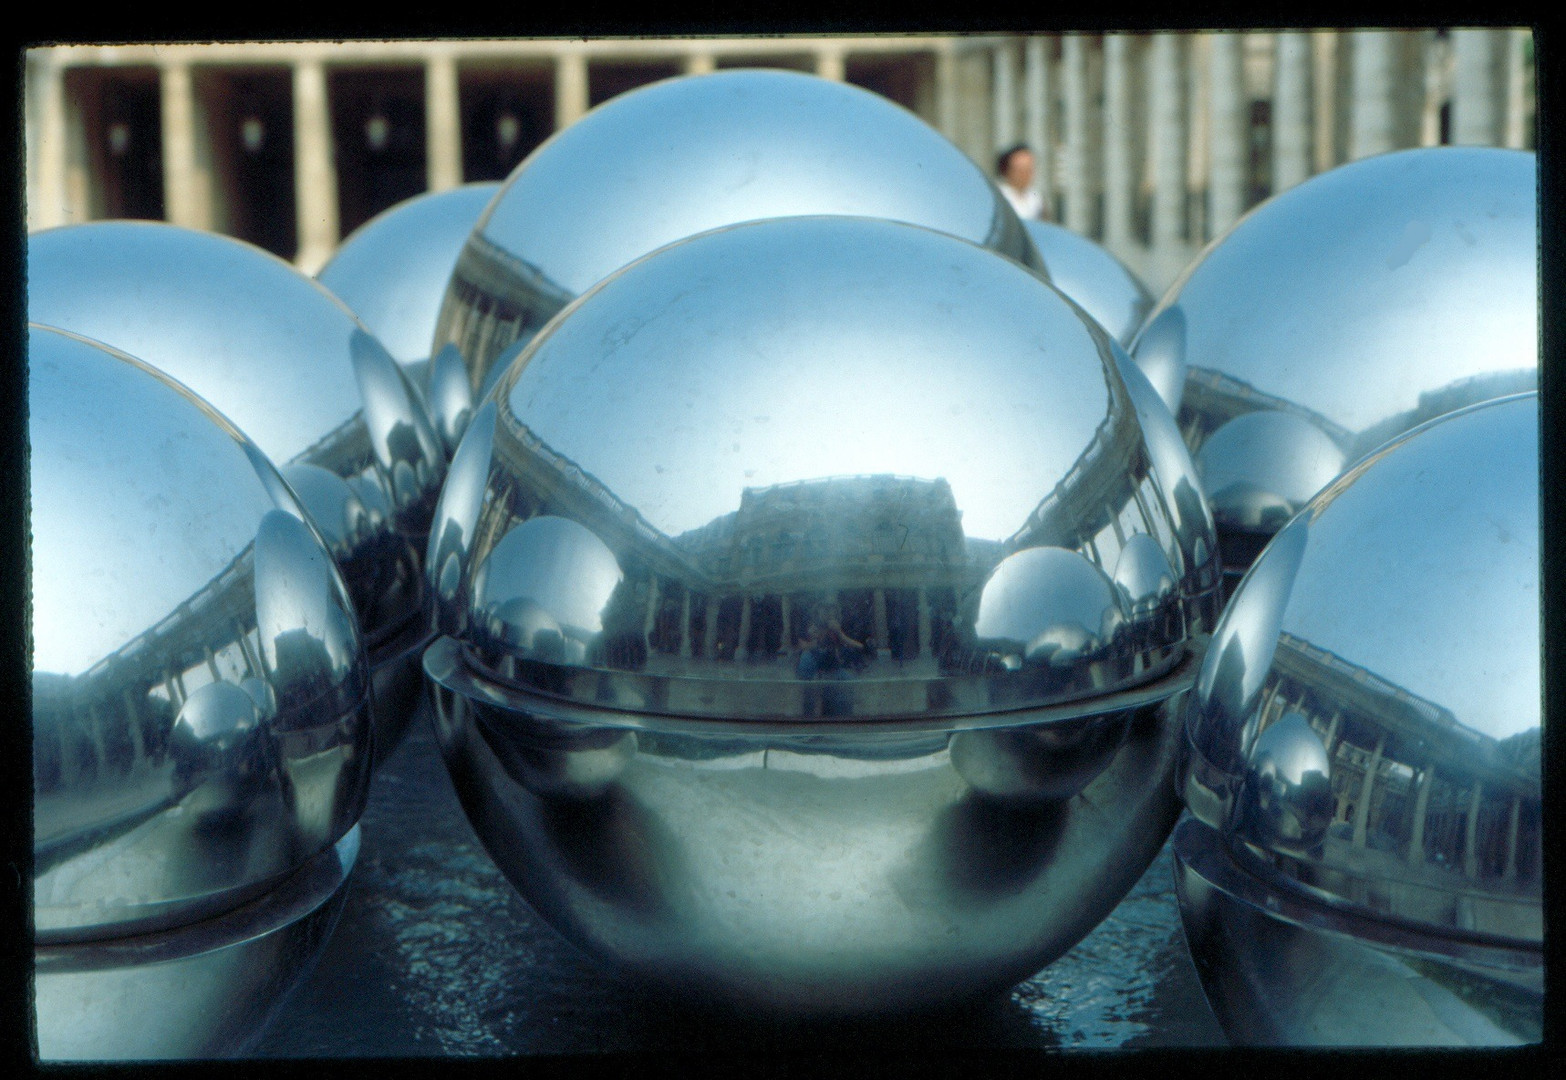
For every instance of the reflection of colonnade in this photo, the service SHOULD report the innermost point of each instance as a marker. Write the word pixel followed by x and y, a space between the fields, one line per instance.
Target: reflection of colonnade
pixel 1152 143
pixel 1414 788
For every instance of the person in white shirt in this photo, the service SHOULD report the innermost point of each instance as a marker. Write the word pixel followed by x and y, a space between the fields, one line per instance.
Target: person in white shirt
pixel 1014 172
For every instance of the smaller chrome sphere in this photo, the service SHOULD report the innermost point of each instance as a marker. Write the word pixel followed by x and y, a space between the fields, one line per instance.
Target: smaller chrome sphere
pixel 1092 277
pixel 200 701
pixel 1341 313
pixel 292 367
pixel 1363 755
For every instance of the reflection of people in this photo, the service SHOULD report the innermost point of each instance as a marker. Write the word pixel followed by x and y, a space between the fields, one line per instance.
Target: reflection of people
pixel 1014 173
pixel 827 650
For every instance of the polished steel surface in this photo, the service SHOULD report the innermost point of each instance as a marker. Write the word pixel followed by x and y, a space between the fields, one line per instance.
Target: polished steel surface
pixel 204 990
pixel 292 368
pixel 808 643
pixel 686 155
pixel 1342 312
pixel 200 691
pixel 392 270
pixel 1367 720
pixel 1087 273
pixel 903 478
pixel 1280 968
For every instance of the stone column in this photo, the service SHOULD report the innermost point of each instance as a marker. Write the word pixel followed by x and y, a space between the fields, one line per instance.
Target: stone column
pixel 1416 842
pixel 1228 133
pixel 1366 787
pixel 442 123
pixel 1478 70
pixel 1376 86
pixel 742 643
pixel 830 64
pixel 315 173
pixel 47 204
pixel 187 196
pixel 1166 104
pixel 570 87
pixel 700 63
pixel 1291 111
pixel 1004 95
pixel 1471 832
pixel 1035 118
pixel 946 92
pixel 1119 177
pixel 1519 89
pixel 1079 125
pixel 1325 62
pixel 883 630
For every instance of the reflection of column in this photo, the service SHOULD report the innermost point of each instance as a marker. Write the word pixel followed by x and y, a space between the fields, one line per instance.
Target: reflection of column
pixel 134 714
pixel 212 663
pixel 252 663
pixel 1332 731
pixel 1079 216
pixel 742 646
pixel 1118 177
pixel 883 633
pixel 176 689
pixel 1471 833
pixel 1004 95
pixel 1362 807
pixel 685 626
pixel 1035 114
pixel 1477 66
pixel 1167 101
pixel 1373 115
pixel 1291 111
pixel 650 622
pixel 1416 843
pixel 1228 140
pixel 1511 839
pixel 709 637
pixel 186 200
pixel 570 88
pixel 926 637
pixel 315 178
pixel 788 640
pixel 442 124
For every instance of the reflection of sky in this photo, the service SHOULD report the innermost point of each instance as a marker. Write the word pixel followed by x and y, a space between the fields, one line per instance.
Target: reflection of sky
pixel 244 330
pixel 393 270
pixel 1327 296
pixel 138 501
pixel 669 161
pixel 798 350
pixel 1428 575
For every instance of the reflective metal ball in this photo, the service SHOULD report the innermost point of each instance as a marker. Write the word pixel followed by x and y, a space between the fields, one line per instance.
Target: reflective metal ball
pixel 200 711
pixel 1341 313
pixel 690 154
pixel 295 371
pixel 1363 756
pixel 812 591
pixel 392 270
pixel 1086 272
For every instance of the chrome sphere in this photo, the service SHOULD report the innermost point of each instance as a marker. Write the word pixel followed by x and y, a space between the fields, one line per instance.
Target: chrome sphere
pixel 295 371
pixel 392 270
pixel 690 154
pixel 200 692
pixel 812 590
pixel 1341 313
pixel 1363 756
pixel 1086 272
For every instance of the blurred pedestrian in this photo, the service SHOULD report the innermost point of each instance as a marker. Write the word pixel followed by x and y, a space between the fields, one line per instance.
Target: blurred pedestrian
pixel 1014 168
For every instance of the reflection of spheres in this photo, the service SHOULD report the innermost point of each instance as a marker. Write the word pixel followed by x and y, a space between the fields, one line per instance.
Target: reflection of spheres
pixel 682 156
pixel 556 563
pixel 1143 573
pixel 1288 801
pixel 1051 599
pixel 1260 468
pixel 392 270
pixel 219 745
pixel 1092 277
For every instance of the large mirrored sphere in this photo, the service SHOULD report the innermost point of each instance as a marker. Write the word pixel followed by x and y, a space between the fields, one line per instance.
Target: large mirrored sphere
pixel 686 155
pixel 1341 313
pixel 200 705
pixel 297 373
pixel 1086 272
pixel 393 270
pixel 813 587
pixel 1364 756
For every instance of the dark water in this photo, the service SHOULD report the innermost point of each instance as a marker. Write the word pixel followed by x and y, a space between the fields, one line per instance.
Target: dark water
pixel 436 954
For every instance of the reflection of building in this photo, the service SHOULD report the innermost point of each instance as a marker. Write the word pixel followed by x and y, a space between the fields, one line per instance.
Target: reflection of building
pixel 1211 399
pixel 1426 807
pixel 1152 143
